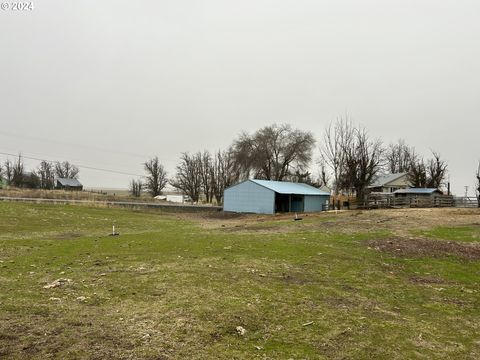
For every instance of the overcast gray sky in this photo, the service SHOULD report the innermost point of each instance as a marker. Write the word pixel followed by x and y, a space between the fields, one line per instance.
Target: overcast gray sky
pixel 109 84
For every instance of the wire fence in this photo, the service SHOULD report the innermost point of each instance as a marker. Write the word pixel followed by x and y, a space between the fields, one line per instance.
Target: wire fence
pixel 466 202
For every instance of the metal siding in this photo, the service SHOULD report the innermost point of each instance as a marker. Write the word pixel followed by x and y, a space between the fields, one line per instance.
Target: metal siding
pixel 315 203
pixel 249 197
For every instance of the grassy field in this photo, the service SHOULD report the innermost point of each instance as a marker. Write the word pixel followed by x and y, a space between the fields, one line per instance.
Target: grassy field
pixel 390 284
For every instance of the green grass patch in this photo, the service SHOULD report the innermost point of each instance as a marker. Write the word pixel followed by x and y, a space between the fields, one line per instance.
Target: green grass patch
pixel 459 233
pixel 166 288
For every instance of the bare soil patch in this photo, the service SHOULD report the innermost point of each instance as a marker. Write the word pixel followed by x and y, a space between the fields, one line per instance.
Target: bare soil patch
pixel 398 221
pixel 427 247
pixel 427 280
pixel 68 236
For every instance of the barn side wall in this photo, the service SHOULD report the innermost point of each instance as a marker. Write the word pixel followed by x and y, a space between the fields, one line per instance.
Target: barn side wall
pixel 249 197
pixel 315 202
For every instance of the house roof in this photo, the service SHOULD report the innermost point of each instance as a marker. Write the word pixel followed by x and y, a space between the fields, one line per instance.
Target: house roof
pixel 417 191
pixel 284 187
pixel 69 182
pixel 383 180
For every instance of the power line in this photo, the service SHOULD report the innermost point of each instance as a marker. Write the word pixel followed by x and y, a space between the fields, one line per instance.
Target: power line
pixel 72 145
pixel 80 166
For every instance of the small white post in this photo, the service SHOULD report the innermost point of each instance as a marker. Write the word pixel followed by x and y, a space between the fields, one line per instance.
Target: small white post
pixel 113 229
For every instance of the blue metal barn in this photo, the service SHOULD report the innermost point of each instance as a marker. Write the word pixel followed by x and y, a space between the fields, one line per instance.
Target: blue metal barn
pixel 269 197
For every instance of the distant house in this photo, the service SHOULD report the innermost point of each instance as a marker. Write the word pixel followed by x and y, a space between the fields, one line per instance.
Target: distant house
pixel 68 184
pixel 390 183
pixel 269 197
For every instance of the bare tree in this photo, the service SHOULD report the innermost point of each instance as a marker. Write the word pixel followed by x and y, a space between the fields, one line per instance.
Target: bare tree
pixel 31 180
pixel 189 175
pixel 46 174
pixel 337 138
pixel 273 152
pixel 136 187
pixel 156 178
pixel 8 171
pixel 18 174
pixel 399 157
pixel 224 173
pixel 305 177
pixel 324 177
pixel 65 170
pixel 430 174
pixel 205 167
pixel 362 161
pixel 436 171
pixel 417 174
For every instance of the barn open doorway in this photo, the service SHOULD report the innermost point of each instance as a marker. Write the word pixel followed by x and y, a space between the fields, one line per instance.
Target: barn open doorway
pixel 289 203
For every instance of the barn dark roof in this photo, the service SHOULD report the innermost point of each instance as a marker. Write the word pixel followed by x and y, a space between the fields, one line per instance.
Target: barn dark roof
pixel 69 182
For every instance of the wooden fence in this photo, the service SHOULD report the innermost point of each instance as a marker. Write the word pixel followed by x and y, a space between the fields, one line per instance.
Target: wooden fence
pixel 378 201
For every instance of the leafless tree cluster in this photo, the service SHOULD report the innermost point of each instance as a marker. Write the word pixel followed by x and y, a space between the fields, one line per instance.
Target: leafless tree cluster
pixel 430 173
pixel 427 174
pixel 65 170
pixel 336 138
pixel 353 156
pixel 307 177
pixel 46 174
pixel 42 177
pixel 136 187
pixel 355 159
pixel 224 173
pixel 400 157
pixel 362 161
pixel 188 178
pixel 156 178
pixel 18 173
pixel 205 173
pixel 274 152
pixel 350 161
pixel 199 174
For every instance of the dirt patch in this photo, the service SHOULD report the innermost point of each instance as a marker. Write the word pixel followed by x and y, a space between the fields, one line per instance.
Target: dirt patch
pixel 427 280
pixel 400 222
pixel 68 236
pixel 339 302
pixel 427 247
pixel 294 279
pixel 222 215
